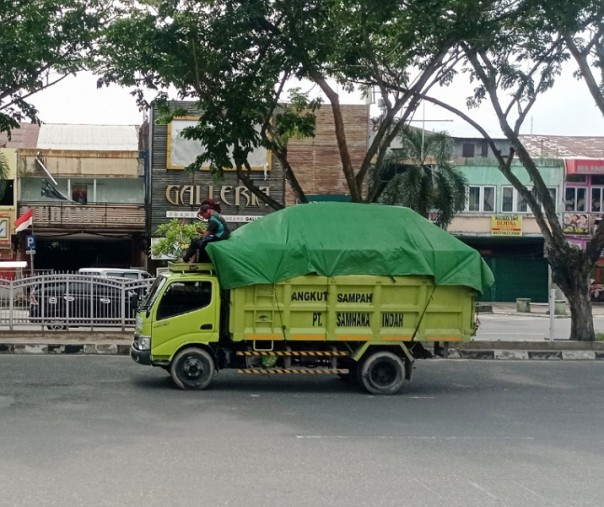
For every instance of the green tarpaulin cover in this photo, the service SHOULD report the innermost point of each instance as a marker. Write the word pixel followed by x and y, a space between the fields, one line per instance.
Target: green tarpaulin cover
pixel 334 238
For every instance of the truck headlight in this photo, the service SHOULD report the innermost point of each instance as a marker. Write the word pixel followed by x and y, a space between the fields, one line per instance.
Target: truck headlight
pixel 144 343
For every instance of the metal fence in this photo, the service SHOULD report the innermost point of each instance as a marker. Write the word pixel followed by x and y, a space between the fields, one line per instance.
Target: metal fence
pixel 69 300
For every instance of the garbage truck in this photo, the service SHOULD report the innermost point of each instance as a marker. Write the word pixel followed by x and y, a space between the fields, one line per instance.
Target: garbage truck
pixel 353 290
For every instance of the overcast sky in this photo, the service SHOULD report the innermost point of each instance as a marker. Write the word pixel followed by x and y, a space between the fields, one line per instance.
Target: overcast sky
pixel 568 109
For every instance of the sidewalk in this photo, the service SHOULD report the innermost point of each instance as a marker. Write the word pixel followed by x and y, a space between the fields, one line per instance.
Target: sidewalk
pixel 528 349
pixel 72 342
pixel 118 343
pixel 537 309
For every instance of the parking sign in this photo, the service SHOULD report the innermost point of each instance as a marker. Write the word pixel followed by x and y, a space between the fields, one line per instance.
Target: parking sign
pixel 30 242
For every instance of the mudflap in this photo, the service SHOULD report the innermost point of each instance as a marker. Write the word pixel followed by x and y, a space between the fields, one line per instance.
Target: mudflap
pixel 410 356
pixel 420 352
pixel 408 368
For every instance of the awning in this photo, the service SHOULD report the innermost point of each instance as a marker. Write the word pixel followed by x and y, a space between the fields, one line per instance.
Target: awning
pixel 584 166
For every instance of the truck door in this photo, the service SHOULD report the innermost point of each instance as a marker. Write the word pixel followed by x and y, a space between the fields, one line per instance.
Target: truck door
pixel 186 312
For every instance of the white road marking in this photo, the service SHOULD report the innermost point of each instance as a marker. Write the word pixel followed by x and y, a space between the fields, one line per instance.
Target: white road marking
pixel 480 488
pixel 541 497
pixel 508 333
pixel 409 437
pixel 428 488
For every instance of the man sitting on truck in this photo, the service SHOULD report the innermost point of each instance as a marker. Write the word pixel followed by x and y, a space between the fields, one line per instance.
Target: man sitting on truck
pixel 216 230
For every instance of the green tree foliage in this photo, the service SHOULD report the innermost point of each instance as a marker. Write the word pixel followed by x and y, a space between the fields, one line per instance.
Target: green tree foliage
pixel 579 24
pixel 175 238
pixel 511 68
pixel 235 57
pixel 420 176
pixel 42 42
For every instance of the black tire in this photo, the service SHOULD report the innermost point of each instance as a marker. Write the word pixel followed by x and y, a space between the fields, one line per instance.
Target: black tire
pixel 382 373
pixel 192 368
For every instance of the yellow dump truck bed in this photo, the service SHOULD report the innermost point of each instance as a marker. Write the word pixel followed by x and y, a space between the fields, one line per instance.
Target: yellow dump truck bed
pixel 353 308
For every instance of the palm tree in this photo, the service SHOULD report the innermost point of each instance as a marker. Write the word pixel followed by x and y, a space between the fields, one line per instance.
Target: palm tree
pixel 420 176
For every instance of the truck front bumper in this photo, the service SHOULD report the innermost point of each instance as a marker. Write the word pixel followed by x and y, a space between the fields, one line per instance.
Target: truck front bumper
pixel 140 356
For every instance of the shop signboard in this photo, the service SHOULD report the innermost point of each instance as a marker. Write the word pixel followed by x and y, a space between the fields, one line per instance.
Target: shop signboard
pixel 506 225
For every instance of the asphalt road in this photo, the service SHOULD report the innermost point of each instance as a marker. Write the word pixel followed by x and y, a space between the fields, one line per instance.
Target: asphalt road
pixel 83 430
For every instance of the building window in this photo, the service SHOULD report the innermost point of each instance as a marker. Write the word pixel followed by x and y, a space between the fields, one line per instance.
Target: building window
pixel 484 150
pixel 597 179
pixel 597 193
pixel 553 192
pixel 513 202
pixel 6 199
pixel 79 194
pixel 467 150
pixel 575 199
pixel 481 199
pixel 507 199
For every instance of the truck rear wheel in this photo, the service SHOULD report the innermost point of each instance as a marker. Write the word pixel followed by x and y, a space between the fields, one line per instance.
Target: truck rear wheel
pixel 192 368
pixel 382 373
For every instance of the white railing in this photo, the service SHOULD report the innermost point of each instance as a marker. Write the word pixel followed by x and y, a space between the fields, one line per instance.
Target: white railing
pixel 67 300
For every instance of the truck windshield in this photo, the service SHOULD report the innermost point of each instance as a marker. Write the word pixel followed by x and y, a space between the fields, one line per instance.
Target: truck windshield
pixel 153 292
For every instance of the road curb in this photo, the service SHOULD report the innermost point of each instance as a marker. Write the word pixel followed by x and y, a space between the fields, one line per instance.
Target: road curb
pixel 105 349
pixel 533 355
pixel 517 351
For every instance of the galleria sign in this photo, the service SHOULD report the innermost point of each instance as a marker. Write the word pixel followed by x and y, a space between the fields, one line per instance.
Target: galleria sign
pixel 191 195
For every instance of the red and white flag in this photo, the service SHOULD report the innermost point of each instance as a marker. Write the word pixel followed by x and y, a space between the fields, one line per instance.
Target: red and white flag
pixel 24 221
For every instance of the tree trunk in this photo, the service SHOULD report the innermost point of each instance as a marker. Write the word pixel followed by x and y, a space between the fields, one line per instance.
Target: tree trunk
pixel 581 318
pixel 571 270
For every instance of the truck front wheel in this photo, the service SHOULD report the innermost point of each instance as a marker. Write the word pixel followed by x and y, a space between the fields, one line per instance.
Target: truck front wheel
pixel 192 368
pixel 382 373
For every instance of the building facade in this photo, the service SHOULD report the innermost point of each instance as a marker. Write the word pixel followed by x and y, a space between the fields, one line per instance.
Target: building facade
pixel 85 187
pixel 98 193
pixel 8 205
pixel 498 222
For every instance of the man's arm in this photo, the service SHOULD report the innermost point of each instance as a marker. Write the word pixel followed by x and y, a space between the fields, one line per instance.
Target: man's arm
pixel 211 229
pixel 204 233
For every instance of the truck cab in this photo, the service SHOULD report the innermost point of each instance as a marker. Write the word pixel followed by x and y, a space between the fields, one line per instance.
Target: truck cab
pixel 182 308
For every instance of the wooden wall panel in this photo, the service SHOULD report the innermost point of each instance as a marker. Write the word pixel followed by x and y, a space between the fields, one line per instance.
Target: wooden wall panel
pixel 316 161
